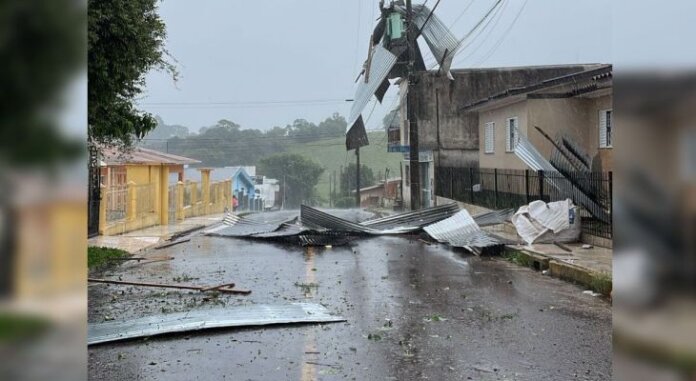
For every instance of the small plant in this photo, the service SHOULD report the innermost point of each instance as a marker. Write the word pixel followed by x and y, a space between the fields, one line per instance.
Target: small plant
pixel 601 283
pixel 101 257
pixel 517 258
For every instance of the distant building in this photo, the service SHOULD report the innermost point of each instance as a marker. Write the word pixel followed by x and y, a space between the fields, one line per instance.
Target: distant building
pixel 243 183
pixel 384 194
pixel 269 191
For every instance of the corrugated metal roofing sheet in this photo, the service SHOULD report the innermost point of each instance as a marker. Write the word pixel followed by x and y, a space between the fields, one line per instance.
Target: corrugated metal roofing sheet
pixel 414 219
pixel 461 230
pixel 381 64
pixel 530 156
pixel 441 41
pixel 235 316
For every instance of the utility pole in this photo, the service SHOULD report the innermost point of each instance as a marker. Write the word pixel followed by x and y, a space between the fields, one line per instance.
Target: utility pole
pixel 411 109
pixel 357 178
pixel 334 188
pixel 282 207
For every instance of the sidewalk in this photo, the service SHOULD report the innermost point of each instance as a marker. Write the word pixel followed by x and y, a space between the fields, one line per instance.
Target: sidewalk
pixel 591 268
pixel 138 240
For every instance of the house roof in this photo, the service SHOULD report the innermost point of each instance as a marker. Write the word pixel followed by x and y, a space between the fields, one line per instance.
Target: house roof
pixel 581 83
pixel 140 155
pixel 380 184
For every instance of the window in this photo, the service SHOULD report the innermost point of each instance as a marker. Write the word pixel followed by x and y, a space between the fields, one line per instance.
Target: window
pixel 606 125
pixel 511 134
pixel 489 138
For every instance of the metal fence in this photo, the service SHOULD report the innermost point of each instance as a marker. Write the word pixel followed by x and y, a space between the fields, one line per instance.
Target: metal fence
pixel 116 198
pixel 511 188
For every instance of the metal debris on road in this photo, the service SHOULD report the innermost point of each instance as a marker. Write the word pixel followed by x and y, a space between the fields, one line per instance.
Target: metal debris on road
pixel 227 288
pixel 494 217
pixel 172 243
pixel 238 316
pixel 461 230
pixel 243 226
pixel 415 219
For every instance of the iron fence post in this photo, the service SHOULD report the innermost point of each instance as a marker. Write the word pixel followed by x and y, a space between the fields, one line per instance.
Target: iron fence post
pixel 451 175
pixel 541 185
pixel 611 203
pixel 495 188
pixel 471 185
pixel 526 185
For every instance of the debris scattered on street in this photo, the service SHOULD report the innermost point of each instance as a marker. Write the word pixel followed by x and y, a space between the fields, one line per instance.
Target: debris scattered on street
pixel 555 222
pixel 172 243
pixel 239 316
pixel 461 230
pixel 227 288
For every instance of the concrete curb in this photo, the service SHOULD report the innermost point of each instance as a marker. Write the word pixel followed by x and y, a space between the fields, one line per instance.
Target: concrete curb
pixel 597 282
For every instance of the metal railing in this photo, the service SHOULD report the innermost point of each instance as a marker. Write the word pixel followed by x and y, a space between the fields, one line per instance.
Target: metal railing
pixel 116 198
pixel 511 188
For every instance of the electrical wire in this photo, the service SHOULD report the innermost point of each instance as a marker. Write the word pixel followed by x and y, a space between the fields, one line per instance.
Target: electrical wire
pixel 504 35
pixel 472 30
pixel 488 29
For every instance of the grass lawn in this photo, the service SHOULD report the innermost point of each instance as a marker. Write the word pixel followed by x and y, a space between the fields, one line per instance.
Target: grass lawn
pixel 99 257
pixel 15 327
pixel 332 154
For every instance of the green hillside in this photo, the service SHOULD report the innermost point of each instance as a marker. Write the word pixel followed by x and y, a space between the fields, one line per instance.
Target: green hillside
pixel 332 154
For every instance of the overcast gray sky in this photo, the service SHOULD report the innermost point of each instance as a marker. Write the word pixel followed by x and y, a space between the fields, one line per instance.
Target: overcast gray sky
pixel 238 57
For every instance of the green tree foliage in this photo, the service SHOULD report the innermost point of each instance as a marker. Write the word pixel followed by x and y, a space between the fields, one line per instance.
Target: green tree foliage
pixel 165 131
pixel 297 174
pixel 125 40
pixel 227 143
pixel 367 178
pixel 305 131
pixel 42 50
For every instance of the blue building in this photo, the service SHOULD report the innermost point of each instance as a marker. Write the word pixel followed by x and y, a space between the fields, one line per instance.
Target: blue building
pixel 243 184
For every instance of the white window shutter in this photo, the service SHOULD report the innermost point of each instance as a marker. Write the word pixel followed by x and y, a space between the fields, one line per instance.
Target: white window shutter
pixel 489 138
pixel 508 142
pixel 603 129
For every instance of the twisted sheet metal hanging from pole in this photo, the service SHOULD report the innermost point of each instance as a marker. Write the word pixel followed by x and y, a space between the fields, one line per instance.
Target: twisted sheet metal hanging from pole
pixel 440 39
pixel 381 63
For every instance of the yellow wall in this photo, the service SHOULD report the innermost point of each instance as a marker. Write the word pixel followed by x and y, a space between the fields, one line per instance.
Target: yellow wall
pixel 576 117
pixel 500 158
pixel 55 263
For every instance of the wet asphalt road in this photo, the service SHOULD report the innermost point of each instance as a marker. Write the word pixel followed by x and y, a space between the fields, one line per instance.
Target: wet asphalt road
pixel 415 312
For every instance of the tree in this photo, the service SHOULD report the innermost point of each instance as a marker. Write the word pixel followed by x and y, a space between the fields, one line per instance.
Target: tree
pixel 125 39
pixel 367 178
pixel 298 176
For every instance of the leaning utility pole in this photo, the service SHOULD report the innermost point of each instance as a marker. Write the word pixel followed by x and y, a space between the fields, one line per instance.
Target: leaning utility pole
pixel 411 110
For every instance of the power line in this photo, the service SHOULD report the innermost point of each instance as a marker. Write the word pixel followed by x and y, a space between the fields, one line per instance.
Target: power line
pixel 505 34
pixel 492 22
pixel 468 34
